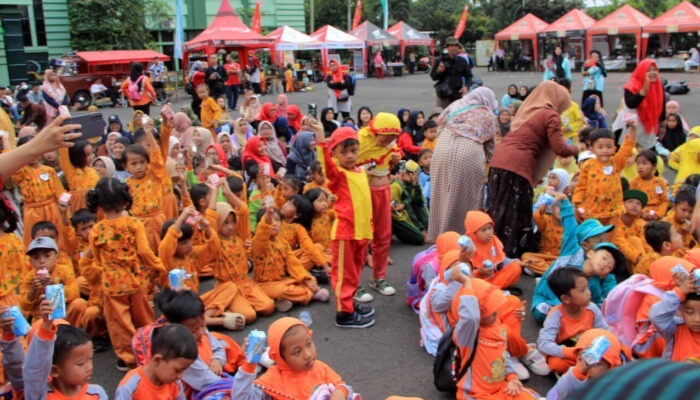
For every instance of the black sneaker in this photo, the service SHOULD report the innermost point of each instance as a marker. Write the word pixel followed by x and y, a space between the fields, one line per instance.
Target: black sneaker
pixel 121 365
pixel 363 311
pixel 320 275
pixel 354 320
pixel 100 345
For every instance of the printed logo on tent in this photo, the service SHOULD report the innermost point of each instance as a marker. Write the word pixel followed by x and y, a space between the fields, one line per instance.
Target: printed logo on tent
pixel 412 34
pixel 228 29
pixel 377 34
pixel 621 16
pixel 679 13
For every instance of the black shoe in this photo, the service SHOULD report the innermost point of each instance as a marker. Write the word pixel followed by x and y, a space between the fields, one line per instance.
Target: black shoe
pixel 121 365
pixel 354 320
pixel 100 345
pixel 320 275
pixel 363 311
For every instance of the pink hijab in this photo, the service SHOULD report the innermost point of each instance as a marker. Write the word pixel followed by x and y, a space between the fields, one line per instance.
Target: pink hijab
pixel 282 108
pixel 182 129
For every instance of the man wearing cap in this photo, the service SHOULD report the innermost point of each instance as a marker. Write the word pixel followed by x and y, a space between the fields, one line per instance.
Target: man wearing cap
pixel 409 219
pixel 452 74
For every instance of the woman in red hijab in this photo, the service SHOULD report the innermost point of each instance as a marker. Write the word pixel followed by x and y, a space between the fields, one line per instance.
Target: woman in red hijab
pixel 294 117
pixel 268 113
pixel 338 84
pixel 645 94
pixel 256 149
pixel 215 152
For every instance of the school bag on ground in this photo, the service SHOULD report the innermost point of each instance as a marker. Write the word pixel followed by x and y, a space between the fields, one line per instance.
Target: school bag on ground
pixel 135 93
pixel 447 367
pixel 416 286
pixel 621 305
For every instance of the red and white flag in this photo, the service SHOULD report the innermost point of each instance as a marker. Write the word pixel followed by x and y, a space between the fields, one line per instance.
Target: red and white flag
pixel 358 15
pixel 256 24
pixel 462 22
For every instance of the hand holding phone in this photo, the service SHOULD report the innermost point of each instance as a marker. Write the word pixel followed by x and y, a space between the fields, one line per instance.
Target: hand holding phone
pixel 91 125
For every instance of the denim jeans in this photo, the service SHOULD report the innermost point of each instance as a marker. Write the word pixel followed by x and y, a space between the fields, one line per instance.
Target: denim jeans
pixel 232 95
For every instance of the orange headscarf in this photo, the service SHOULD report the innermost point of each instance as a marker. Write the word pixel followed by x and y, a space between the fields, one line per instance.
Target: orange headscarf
pixel 612 354
pixel 447 260
pixel 336 77
pixel 490 297
pixel 281 378
pixel 660 271
pixel 492 250
pixel 445 242
pixel 693 256
pixel 650 109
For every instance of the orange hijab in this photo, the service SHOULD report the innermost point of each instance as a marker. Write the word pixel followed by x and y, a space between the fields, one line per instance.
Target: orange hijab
pixel 336 77
pixel 445 242
pixel 660 271
pixel 280 378
pixel 449 258
pixel 492 250
pixel 693 256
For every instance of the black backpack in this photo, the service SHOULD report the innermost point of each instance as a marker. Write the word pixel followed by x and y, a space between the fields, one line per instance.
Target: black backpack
pixel 446 367
pixel 679 87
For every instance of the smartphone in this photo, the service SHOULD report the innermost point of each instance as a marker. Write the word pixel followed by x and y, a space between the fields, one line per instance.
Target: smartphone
pixel 313 110
pixel 92 125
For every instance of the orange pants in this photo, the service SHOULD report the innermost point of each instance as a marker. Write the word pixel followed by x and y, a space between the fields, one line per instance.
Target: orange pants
pixel 305 259
pixel 539 262
pixel 84 285
pixel 124 314
pixel 287 289
pixel 346 268
pixel 93 321
pixel 78 199
pixel 560 365
pixel 37 212
pixel 169 203
pixel 153 224
pixel 235 357
pixel 506 277
pixel 244 297
pixel 517 346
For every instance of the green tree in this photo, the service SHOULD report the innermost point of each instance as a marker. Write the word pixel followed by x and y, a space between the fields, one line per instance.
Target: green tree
pixel 123 24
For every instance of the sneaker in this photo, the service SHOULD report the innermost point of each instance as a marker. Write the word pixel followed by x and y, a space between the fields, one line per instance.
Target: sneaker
pixel 537 281
pixel 361 295
pixel 520 370
pixel 535 361
pixel 321 295
pixel 121 366
pixel 381 286
pixel 283 305
pixel 529 272
pixel 100 344
pixel 364 311
pixel 354 320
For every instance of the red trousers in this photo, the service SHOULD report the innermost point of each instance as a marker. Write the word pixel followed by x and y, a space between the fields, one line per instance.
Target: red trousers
pixel 381 217
pixel 347 263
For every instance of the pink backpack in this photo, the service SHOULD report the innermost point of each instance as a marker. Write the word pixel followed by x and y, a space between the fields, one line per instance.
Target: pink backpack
pixel 135 93
pixel 621 305
pixel 416 285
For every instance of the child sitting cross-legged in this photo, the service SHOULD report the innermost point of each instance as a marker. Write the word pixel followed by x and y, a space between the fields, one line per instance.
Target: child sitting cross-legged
pixel 664 240
pixel 568 320
pixel 629 228
pixel 409 217
pixel 680 214
pixel 297 213
pixel 548 221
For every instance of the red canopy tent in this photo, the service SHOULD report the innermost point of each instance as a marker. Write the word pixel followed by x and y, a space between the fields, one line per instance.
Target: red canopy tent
pixel 685 17
pixel 526 28
pixel 626 20
pixel 227 31
pixel 374 35
pixel 108 57
pixel 409 36
pixel 573 26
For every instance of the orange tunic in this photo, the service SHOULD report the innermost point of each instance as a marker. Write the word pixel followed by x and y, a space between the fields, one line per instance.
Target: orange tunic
pixel 79 180
pixel 136 385
pixel 199 257
pixel 314 185
pixel 321 227
pixel 429 144
pixel 273 259
pixel 40 189
pixel 656 190
pixel 688 240
pixel 552 233
pixel 12 262
pixel 61 273
pixel 599 191
pixel 147 197
pixel 169 201
pixel 297 237
pixel 630 239
pixel 121 251
pixel 210 115
pixel 642 267
pixel 75 246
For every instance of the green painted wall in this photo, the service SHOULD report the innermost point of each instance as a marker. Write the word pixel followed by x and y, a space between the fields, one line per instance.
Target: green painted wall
pixel 57 27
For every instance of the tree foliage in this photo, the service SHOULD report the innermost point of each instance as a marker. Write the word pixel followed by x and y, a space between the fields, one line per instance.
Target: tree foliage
pixel 116 24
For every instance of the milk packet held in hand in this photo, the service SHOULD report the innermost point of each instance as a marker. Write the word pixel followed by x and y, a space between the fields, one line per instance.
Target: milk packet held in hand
pixel 177 278
pixel 20 326
pixel 55 294
pixel 593 354
pixel 257 341
pixel 678 269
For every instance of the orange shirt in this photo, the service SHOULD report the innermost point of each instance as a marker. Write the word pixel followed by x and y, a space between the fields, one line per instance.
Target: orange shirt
pixel 231 261
pixel 656 190
pixel 686 344
pixel 198 257
pixel 688 240
pixel 314 185
pixel 296 237
pixel 147 191
pixel 623 233
pixel 642 267
pixel 136 386
pixel 321 227
pixel 599 191
pixel 75 246
pixel 61 273
pixel 552 233
pixel 12 263
pixel 210 114
pixel 121 251
pixel 148 93
pixel 571 328
pixel 429 144
pixel 77 178
pixel 273 259
pixel 37 185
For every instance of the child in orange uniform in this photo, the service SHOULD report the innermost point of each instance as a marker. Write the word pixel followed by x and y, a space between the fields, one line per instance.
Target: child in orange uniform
pixel 504 271
pixel 548 221
pixel 491 374
pixel 12 257
pixel 322 220
pixel 680 214
pixel 318 180
pixel 296 221
pixel 662 237
pixel 629 229
pixel 80 176
pixel 203 198
pixel 654 186
pixel 119 249
pixel 173 350
pixel 148 174
pixel 277 271
pixel 568 320
pixel 40 188
pixel 598 193
pixel 210 110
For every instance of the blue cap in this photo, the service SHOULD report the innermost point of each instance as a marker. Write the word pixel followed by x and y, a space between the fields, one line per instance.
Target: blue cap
pixel 620 259
pixel 591 227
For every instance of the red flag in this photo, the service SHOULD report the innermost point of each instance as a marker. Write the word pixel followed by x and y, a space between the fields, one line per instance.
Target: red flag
pixel 462 22
pixel 256 25
pixel 358 15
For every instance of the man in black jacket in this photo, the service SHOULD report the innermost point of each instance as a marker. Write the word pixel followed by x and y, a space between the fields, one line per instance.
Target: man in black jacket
pixel 452 73
pixel 216 77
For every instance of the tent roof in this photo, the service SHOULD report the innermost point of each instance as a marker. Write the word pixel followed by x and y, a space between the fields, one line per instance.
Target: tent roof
pixel 288 38
pixel 120 56
pixel 684 17
pixel 574 20
pixel 374 35
pixel 526 27
pixel 626 19
pixel 334 38
pixel 409 35
pixel 226 30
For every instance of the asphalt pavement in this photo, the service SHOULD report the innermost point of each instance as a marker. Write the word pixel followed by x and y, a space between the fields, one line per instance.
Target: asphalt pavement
pixel 387 359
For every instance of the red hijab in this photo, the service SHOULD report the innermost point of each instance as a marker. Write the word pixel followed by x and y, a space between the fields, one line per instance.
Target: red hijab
pixel 221 158
pixel 294 117
pixel 336 77
pixel 251 152
pixel 267 113
pixel 650 109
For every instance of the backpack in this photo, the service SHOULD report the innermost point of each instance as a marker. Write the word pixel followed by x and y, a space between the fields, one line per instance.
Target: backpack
pixel 621 305
pixel 135 93
pixel 446 367
pixel 679 87
pixel 221 390
pixel 416 286
pixel 141 342
pixel 430 330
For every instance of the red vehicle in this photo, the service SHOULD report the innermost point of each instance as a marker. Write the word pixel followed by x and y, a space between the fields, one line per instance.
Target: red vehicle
pixel 83 68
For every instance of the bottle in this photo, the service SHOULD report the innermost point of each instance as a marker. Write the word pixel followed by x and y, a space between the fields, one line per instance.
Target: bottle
pixel 487 264
pixel 305 317
pixel 464 242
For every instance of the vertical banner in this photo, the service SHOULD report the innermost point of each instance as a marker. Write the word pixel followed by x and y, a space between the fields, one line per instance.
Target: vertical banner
pixel 256 24
pixel 358 15
pixel 179 32
pixel 462 22
pixel 385 12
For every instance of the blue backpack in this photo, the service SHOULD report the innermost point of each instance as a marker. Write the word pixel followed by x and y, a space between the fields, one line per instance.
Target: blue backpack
pixel 220 390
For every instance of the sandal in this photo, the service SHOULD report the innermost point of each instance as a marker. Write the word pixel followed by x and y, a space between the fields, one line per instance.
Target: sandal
pixel 234 321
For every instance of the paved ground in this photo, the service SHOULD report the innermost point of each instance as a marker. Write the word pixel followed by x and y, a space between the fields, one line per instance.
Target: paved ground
pixel 386 359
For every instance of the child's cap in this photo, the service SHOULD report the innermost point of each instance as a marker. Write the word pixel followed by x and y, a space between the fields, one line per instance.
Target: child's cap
pixel 585 155
pixel 42 242
pixel 385 124
pixel 612 354
pixel 695 132
pixel 342 134
pixel 620 259
pixel 637 195
pixel 660 271
pixel 490 297
pixel 274 338
pixel 591 227
pixel 693 256
pixel 409 166
pixel 446 241
pixel 223 210
pixel 475 220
